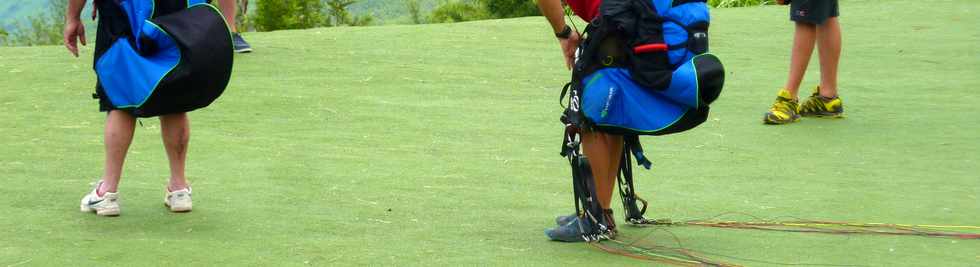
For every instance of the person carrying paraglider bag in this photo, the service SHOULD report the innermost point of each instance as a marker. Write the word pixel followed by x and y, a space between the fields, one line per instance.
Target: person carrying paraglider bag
pixel 153 58
pixel 641 67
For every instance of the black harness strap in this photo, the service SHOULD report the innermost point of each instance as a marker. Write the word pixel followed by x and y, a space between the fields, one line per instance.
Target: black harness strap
pixel 681 2
pixel 627 191
pixel 586 205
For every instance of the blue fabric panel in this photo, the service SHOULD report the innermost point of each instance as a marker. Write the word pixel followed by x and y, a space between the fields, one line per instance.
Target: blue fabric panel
pixel 129 78
pixel 611 98
pixel 675 35
pixel 137 11
pixel 662 6
pixel 683 87
pixel 689 13
pixel 195 2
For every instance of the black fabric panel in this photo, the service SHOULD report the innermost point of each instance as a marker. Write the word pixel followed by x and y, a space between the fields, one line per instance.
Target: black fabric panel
pixel 584 187
pixel 650 70
pixel 813 11
pixel 697 39
pixel 612 52
pixel 205 66
pixel 681 2
pixel 711 77
pixel 691 119
pixel 167 7
pixel 113 24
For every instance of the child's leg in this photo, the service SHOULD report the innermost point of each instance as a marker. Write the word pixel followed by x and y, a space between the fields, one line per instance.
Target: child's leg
pixel 803 42
pixel 119 127
pixel 829 44
pixel 176 132
pixel 604 152
pixel 228 9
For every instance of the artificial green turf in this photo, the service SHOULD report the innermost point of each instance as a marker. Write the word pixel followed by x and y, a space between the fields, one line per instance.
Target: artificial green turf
pixel 438 145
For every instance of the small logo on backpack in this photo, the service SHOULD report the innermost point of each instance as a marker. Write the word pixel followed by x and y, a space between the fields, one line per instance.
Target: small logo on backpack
pixel 605 110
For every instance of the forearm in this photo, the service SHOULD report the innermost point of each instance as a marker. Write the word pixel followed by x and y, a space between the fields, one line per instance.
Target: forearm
pixel 554 12
pixel 74 11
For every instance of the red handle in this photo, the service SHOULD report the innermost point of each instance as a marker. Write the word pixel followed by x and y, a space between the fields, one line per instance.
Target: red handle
pixel 647 48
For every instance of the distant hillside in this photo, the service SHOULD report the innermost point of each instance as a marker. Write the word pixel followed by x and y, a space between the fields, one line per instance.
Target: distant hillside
pixel 383 11
pixel 13 12
pixel 390 11
pixel 18 10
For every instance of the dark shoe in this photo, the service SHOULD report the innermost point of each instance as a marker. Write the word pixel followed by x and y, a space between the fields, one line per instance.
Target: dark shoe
pixel 240 45
pixel 570 232
pixel 565 219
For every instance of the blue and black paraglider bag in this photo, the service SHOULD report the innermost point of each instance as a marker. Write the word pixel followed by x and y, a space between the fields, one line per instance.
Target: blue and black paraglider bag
pixel 644 68
pixel 174 56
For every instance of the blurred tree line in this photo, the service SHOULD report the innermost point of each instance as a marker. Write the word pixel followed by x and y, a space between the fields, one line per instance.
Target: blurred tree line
pixel 299 14
pixel 274 15
pixel 466 10
pixel 41 29
pixel 269 15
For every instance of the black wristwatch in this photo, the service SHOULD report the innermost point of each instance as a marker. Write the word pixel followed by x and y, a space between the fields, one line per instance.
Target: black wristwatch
pixel 564 34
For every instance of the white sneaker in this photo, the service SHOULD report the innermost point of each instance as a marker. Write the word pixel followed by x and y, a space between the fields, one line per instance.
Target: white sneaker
pixel 178 201
pixel 106 205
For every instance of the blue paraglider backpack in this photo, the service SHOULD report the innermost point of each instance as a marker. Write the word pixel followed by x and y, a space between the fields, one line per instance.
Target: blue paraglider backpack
pixel 661 45
pixel 169 56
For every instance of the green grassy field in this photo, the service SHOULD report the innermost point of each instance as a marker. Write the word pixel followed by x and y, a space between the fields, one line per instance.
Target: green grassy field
pixel 438 145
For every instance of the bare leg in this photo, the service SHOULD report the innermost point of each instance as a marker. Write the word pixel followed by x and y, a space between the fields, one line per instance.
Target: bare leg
pixel 176 132
pixel 228 9
pixel 119 127
pixel 604 152
pixel 829 44
pixel 803 43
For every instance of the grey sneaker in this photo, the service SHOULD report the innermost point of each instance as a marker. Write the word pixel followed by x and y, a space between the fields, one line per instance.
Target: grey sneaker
pixel 569 232
pixel 565 219
pixel 241 46
pixel 178 201
pixel 106 205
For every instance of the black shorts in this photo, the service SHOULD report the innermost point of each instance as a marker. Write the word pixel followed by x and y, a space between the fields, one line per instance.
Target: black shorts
pixel 112 25
pixel 813 11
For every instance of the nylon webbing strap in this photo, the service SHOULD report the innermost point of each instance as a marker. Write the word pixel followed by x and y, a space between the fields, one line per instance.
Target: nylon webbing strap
pixel 632 144
pixel 634 206
pixel 627 191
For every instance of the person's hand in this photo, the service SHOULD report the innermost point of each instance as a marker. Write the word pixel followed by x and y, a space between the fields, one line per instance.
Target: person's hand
pixel 74 32
pixel 568 47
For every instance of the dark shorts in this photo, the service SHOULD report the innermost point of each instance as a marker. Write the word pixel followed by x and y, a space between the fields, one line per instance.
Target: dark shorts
pixel 112 24
pixel 813 11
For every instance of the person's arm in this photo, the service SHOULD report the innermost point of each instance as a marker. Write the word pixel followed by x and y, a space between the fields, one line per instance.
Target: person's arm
pixel 555 13
pixel 74 29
